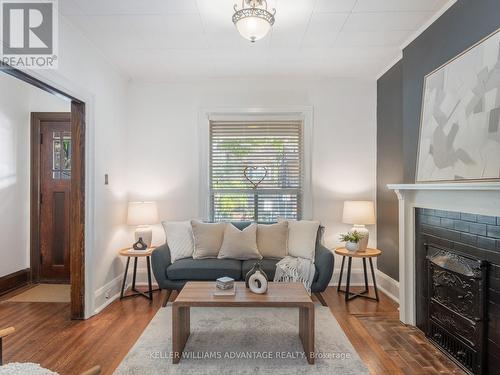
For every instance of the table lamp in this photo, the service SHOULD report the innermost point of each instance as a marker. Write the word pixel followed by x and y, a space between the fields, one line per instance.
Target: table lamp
pixel 359 213
pixel 142 215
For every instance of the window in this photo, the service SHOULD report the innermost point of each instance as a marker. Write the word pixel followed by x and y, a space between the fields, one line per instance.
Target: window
pixel 256 170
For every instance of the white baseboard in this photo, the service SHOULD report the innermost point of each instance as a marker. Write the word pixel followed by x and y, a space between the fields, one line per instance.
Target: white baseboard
pixel 388 285
pixel 384 282
pixel 105 295
pixel 357 277
pixel 111 291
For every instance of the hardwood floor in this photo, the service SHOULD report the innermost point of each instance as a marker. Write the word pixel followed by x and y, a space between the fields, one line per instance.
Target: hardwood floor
pixel 45 334
pixel 385 345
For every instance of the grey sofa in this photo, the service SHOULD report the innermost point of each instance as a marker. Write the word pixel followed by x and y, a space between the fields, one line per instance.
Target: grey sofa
pixel 172 276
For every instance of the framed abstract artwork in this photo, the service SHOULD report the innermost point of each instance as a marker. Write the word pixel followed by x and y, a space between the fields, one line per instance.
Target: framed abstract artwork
pixel 460 120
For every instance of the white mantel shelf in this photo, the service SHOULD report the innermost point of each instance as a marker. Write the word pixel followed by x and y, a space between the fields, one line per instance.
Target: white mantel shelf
pixel 473 186
pixel 479 197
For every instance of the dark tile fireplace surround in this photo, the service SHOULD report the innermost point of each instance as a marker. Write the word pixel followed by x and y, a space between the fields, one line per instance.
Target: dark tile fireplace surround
pixel 457 260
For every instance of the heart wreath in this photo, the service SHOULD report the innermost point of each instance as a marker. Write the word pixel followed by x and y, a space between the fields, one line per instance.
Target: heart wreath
pixel 255 175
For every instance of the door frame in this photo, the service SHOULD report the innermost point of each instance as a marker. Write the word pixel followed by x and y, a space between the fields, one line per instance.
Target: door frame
pixel 77 197
pixel 35 186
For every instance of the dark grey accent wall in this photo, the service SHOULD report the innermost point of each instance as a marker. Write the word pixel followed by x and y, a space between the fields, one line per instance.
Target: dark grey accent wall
pixel 463 25
pixel 389 165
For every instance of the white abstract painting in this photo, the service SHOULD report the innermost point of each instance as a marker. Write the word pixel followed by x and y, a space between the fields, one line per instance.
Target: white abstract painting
pixel 460 124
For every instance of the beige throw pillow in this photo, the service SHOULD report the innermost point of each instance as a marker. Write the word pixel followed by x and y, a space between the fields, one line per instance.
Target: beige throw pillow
pixel 272 239
pixel 240 244
pixel 302 238
pixel 207 239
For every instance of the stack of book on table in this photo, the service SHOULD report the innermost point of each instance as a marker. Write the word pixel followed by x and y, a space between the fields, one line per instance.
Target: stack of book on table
pixel 224 286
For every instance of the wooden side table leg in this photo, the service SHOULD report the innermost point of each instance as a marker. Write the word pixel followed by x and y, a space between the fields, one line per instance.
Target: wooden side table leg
pixel 180 331
pixel 348 282
pixel 341 272
pixel 374 280
pixel 306 332
pixel 124 278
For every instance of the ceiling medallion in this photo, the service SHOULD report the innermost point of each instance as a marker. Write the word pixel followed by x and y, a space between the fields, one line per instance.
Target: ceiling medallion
pixel 253 20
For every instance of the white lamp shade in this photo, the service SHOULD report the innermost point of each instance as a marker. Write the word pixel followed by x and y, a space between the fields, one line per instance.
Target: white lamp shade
pixel 142 213
pixel 358 212
pixel 253 28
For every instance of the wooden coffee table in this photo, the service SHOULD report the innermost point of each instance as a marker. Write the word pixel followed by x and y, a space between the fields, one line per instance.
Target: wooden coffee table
pixel 200 294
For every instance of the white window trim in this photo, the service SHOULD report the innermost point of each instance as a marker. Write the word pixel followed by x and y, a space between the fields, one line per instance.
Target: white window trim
pixel 205 115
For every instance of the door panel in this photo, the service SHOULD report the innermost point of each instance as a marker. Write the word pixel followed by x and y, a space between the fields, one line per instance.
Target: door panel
pixel 55 179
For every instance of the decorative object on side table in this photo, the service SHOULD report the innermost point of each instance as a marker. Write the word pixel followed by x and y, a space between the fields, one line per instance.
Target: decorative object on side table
pixel 139 245
pixel 352 240
pixel 132 253
pixel 142 215
pixel 367 253
pixel 256 267
pixel 359 213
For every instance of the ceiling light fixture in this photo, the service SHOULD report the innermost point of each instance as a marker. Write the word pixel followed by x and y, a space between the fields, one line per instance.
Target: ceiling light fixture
pixel 253 20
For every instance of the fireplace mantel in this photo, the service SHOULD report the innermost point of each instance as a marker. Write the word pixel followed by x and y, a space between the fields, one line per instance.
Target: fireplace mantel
pixel 472 197
pixel 473 186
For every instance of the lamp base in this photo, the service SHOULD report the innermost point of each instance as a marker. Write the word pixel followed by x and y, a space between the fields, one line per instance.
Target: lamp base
pixel 145 232
pixel 363 243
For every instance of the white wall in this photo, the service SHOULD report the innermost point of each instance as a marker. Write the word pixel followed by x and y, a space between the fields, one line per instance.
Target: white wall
pixel 146 141
pixel 86 75
pixel 17 101
pixel 163 159
pixel 14 126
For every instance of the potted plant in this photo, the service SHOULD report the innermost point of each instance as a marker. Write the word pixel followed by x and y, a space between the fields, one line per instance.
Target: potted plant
pixel 351 240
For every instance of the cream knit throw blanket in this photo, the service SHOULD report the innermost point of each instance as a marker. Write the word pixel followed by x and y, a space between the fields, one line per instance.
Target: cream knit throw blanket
pixel 291 269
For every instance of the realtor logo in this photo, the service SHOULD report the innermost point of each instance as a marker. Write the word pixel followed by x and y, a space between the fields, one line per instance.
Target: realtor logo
pixel 29 34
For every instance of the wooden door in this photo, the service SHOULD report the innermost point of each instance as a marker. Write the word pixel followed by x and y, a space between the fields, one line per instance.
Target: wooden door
pixel 54 201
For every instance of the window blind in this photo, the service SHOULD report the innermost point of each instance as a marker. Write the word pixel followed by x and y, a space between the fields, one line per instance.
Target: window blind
pixel 264 153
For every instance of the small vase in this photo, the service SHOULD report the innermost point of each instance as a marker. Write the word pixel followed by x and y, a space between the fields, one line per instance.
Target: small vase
pixel 258 282
pixel 256 267
pixel 352 246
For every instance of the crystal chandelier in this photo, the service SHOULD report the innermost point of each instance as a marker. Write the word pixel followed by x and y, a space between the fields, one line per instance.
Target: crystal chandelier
pixel 253 20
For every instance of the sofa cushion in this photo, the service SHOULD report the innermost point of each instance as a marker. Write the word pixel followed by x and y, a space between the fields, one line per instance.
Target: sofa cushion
pixel 239 244
pixel 272 239
pixel 207 239
pixel 302 235
pixel 204 269
pixel 179 237
pixel 268 265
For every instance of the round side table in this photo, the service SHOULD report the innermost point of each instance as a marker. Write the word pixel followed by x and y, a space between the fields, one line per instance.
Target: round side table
pixel 136 254
pixel 368 253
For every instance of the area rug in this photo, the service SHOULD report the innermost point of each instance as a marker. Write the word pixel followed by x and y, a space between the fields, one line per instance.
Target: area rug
pixel 243 341
pixel 16 368
pixel 44 293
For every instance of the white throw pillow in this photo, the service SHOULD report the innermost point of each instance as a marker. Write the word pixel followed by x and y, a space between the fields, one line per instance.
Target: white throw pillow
pixel 302 238
pixel 179 239
pixel 240 244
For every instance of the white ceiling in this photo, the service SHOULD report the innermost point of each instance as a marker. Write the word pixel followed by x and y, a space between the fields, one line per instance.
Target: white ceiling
pixel 160 40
